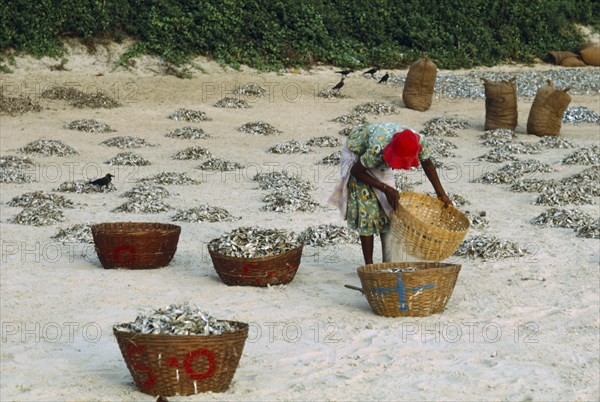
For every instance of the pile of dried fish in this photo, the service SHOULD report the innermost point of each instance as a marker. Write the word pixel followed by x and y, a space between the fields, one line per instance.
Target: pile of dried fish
pixel 178 319
pixel 188 133
pixel 250 89
pixel 562 218
pixel 588 178
pixel 328 234
pixel 14 176
pixel 128 159
pixel 48 148
pixel 89 126
pixel 494 138
pixel 39 199
pixel 254 242
pixel 445 126
pixel 60 92
pixel 589 231
pixel 498 155
pixel 489 248
pixel 513 171
pixel 232 103
pixel 18 105
pixel 147 192
pixel 330 93
pixel 565 194
pixel 188 115
pixel 584 156
pixel 281 180
pixel 376 108
pixel 43 215
pixel 324 142
pixel 205 213
pixel 218 164
pixel 15 162
pixel 192 153
pixel 532 185
pixel 555 142
pixel 141 206
pixel 79 233
pixel 478 220
pixel 457 199
pixel 580 115
pixel 352 119
pixel 346 131
pixel 259 128
pixel 405 183
pixel 290 147
pixel 289 200
pixel 169 178
pixel 441 147
pixel 84 186
pixel 95 100
pixel 127 142
pixel 333 159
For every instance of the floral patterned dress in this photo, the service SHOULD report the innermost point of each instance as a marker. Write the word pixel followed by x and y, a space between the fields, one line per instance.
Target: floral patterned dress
pixel 364 213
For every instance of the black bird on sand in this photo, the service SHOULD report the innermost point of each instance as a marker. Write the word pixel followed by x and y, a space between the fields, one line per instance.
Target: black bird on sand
pixel 384 78
pixel 345 72
pixel 103 181
pixel 339 85
pixel 371 71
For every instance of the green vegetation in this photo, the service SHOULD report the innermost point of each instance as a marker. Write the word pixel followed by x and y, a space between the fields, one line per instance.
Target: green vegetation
pixel 271 34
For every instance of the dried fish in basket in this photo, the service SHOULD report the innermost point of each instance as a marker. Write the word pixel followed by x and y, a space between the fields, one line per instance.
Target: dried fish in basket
pixel 290 147
pixel 205 213
pixel 39 199
pixel 48 148
pixel 188 115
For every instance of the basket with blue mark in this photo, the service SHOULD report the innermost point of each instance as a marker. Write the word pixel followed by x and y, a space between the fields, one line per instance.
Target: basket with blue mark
pixel 408 289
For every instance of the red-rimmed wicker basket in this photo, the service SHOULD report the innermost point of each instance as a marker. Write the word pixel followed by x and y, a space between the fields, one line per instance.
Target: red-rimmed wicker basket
pixel 261 271
pixel 135 245
pixel 169 365
pixel 417 293
pixel 426 228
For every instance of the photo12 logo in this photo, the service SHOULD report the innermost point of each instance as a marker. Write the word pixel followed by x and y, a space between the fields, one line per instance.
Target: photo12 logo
pixel 470 332
pixel 51 332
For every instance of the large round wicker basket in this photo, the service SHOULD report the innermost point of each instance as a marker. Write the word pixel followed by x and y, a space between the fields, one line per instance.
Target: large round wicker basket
pixel 170 365
pixel 278 269
pixel 408 289
pixel 426 228
pixel 135 245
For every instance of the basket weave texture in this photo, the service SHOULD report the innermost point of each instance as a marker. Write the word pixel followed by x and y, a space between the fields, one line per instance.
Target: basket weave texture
pixel 278 269
pixel 418 293
pixel 135 245
pixel 426 228
pixel 170 365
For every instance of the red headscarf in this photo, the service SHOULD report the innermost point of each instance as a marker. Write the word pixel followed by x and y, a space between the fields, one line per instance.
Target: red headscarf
pixel 402 152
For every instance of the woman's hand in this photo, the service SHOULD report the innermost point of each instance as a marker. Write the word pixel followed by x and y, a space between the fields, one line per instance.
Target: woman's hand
pixel 392 196
pixel 444 197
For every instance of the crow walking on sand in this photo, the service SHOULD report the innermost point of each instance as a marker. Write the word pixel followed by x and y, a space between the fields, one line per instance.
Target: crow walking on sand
pixel 384 79
pixel 103 181
pixel 339 85
pixel 345 72
pixel 371 71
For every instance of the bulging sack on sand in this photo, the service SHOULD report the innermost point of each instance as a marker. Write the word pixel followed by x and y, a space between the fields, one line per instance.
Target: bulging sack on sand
pixel 549 105
pixel 572 62
pixel 560 56
pixel 500 104
pixel 591 55
pixel 420 81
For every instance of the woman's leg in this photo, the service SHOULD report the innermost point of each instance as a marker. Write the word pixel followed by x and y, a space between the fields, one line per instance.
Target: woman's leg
pixel 366 242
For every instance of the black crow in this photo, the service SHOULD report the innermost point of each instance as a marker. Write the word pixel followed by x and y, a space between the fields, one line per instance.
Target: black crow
pixel 103 181
pixel 384 78
pixel 339 85
pixel 345 72
pixel 371 71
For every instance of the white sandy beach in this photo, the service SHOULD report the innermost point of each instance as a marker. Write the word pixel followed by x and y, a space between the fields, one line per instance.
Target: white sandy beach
pixel 515 329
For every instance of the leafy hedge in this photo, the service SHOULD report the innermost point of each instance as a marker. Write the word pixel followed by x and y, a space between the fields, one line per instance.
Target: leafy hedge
pixel 270 34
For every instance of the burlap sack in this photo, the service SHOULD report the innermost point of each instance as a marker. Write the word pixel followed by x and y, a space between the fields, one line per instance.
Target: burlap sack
pixel 420 81
pixel 560 56
pixel 500 104
pixel 572 62
pixel 546 114
pixel 591 55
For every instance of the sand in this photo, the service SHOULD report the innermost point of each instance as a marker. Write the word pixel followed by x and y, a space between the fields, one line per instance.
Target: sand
pixel 523 328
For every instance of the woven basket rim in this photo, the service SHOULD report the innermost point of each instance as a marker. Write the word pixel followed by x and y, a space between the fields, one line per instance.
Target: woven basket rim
pixel 422 268
pixel 241 327
pixel 256 259
pixel 438 203
pixel 133 227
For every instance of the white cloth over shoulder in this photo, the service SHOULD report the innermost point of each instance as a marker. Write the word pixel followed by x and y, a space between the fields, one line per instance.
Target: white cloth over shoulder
pixel 339 197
